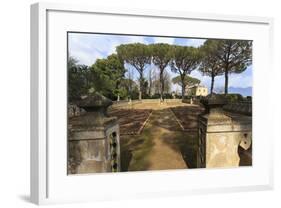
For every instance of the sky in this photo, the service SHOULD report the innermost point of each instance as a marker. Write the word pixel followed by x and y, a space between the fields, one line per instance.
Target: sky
pixel 88 47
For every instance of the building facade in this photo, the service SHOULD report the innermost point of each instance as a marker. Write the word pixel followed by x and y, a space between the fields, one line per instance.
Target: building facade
pixel 197 91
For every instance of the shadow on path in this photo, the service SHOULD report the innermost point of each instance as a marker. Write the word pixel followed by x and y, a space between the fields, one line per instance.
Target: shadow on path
pixel 162 145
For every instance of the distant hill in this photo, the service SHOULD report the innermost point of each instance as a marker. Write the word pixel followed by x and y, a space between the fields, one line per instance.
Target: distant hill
pixel 247 91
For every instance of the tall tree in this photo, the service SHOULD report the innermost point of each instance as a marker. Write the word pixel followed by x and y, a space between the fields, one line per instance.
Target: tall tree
pixel 188 81
pixel 78 79
pixel 210 63
pixel 234 55
pixel 130 83
pixel 137 55
pixel 185 59
pixel 167 81
pixel 149 82
pixel 154 81
pixel 107 75
pixel 161 57
pixel 130 87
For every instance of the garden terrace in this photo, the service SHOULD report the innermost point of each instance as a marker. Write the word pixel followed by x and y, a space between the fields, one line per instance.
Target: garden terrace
pixel 131 121
pixel 187 116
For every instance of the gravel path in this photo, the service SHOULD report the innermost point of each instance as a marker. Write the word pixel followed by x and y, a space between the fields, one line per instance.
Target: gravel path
pixel 164 130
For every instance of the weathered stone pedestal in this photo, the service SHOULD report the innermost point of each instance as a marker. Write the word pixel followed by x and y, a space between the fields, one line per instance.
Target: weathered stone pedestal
pixel 220 134
pixel 93 138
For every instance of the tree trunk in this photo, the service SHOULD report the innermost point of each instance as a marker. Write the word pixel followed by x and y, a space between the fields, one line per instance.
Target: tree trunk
pixel 226 82
pixel 161 85
pixel 141 86
pixel 130 84
pixel 117 88
pixel 183 92
pixel 212 83
pixel 150 83
pixel 182 87
pixel 140 95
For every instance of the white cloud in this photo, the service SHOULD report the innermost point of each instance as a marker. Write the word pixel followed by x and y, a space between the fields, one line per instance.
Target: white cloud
pixel 85 58
pixel 235 80
pixel 84 49
pixel 89 47
pixel 113 42
pixel 163 40
pixel 195 42
pixel 205 80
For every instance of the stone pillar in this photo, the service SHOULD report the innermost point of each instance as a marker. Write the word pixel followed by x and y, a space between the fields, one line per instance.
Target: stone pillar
pixel 220 135
pixel 93 138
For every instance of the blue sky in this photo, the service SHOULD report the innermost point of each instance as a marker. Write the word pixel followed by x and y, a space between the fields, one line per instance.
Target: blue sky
pixel 86 48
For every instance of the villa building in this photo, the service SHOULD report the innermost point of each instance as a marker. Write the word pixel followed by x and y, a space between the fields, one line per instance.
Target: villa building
pixel 197 90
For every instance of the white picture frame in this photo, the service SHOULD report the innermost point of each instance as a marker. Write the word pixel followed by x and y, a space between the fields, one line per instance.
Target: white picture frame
pixel 49 181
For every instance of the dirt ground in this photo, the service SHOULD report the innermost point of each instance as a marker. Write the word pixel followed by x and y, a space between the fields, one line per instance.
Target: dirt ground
pixel 131 121
pixel 161 145
pixel 158 136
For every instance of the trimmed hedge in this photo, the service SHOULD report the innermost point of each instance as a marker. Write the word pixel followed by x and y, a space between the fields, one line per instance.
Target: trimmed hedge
pixel 234 97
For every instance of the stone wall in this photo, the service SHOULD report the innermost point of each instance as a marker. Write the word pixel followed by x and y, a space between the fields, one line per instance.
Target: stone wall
pixel 194 101
pixel 242 107
pixel 126 104
pixel 74 110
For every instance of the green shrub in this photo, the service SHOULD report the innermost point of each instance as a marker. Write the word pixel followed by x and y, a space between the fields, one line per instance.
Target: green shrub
pixel 167 96
pixel 234 97
pixel 155 96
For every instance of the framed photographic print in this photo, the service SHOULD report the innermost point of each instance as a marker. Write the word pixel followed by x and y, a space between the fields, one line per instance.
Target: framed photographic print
pixel 129 103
